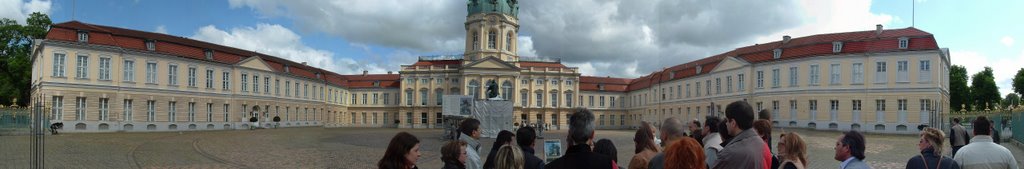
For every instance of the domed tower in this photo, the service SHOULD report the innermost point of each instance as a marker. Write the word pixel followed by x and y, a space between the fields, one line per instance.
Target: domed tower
pixel 492 27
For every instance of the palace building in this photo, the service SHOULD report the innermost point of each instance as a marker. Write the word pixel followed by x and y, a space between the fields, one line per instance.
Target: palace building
pixel 97 78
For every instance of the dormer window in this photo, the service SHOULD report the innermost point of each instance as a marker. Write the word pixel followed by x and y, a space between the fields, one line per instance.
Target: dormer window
pixel 672 74
pixel 376 83
pixel 208 53
pixel 776 54
pixel 150 45
pixel 699 67
pixel 83 36
pixel 837 47
pixel 600 87
pixel 904 42
pixel 317 75
pixel 287 69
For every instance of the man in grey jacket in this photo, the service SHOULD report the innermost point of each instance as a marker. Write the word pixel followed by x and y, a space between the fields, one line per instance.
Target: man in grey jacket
pixel 850 151
pixel 746 150
pixel 957 136
pixel 982 152
pixel 470 133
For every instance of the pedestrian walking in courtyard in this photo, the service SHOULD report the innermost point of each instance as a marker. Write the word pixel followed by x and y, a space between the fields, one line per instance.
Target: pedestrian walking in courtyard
pixel 607 148
pixel 526 139
pixel 685 153
pixel 792 151
pixel 645 147
pixel 505 137
pixel 509 157
pixel 982 152
pixel 671 131
pixel 850 151
pixel 931 144
pixel 958 136
pixel 746 150
pixel 402 152
pixel 712 140
pixel 580 155
pixel 453 154
pixel 470 133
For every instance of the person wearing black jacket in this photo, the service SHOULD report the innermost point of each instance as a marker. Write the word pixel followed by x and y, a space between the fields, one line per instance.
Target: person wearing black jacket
pixel 525 138
pixel 931 144
pixel 580 155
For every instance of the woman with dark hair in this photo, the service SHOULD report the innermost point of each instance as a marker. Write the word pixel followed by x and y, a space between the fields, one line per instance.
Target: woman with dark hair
pixel 607 148
pixel 645 147
pixel 505 137
pixel 453 154
pixel 402 152
pixel 792 151
pixel 931 146
pixel 684 154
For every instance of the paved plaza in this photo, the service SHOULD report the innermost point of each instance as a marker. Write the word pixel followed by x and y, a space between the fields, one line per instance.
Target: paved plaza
pixel 339 148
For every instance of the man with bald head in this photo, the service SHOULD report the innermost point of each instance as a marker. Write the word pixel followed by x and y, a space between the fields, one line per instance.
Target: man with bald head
pixel 671 131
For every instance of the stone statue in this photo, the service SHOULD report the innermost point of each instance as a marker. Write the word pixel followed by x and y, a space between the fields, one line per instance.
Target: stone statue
pixel 492 89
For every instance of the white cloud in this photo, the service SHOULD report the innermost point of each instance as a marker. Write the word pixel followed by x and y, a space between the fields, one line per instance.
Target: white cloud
pixel 276 40
pixel 19 10
pixel 1003 68
pixel 603 37
pixel 161 29
pixel 1006 40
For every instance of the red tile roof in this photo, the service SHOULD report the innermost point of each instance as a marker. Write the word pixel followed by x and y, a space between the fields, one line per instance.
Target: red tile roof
pixel 188 48
pixel 589 83
pixel 527 64
pixel 810 46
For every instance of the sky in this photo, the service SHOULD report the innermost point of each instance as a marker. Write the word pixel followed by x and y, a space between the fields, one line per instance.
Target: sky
pixel 618 38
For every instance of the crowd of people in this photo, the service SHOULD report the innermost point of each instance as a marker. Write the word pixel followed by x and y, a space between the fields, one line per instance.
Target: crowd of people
pixel 737 141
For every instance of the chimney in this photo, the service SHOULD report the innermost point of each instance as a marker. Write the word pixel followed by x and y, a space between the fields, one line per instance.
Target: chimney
pixel 878 29
pixel 364 72
pixel 389 72
pixel 785 39
pixel 304 63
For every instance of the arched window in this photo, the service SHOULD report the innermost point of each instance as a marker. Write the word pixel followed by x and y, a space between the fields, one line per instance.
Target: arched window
pixel 506 90
pixel 474 89
pixel 508 41
pixel 476 40
pixel 491 44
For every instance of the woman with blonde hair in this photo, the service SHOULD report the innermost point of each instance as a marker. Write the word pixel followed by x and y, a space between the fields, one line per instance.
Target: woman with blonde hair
pixel 645 147
pixel 509 157
pixel 931 144
pixel 792 151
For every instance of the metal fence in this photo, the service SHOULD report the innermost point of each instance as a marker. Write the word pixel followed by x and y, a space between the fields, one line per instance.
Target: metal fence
pixel 1004 118
pixel 21 136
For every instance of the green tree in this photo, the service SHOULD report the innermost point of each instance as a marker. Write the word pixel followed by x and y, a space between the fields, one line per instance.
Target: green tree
pixel 1018 82
pixel 959 93
pixel 984 90
pixel 15 62
pixel 1011 99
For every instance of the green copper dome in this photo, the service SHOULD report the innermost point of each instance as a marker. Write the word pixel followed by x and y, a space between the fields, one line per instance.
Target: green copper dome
pixel 507 7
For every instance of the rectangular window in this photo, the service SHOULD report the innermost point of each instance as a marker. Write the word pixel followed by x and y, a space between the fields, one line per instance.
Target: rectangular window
pixel 191 111
pixel 151 73
pixel 814 75
pixel 226 81
pixel 834 104
pixel 408 97
pixel 925 74
pixel 172 111
pixel 438 96
pixel 191 77
pixel 708 88
pixel 375 98
pixel 728 84
pixel 568 99
pixel 554 99
pixel 834 74
pixel 83 67
pixel 687 90
pixel 880 72
pixel 277 87
pixel 151 110
pixel 80 108
pixel 718 85
pixel 288 88
pixel 245 83
pixel 902 68
pixel 423 118
pixel 266 85
pixel 590 100
pixel 256 84
pixel 58 108
pixel 209 79
pixel 423 97
pixel 760 79
pixel 129 71
pixel 58 64
pixel 127 116
pixel 901 104
pixel 83 36
pixel 879 105
pixel 696 89
pixel 612 101
pixel 523 99
pixel 104 68
pixel 602 101
pixel 172 75
pixel 104 109
pixel 775 78
pixel 540 99
pixel 858 73
pixel 209 112
pixel 386 98
pixel 812 104
pixel 793 76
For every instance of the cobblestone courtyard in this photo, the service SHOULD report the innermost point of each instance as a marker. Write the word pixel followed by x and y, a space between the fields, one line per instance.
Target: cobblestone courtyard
pixel 338 148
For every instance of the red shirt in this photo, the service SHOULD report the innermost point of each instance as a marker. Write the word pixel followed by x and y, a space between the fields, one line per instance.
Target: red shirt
pixel 767 153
